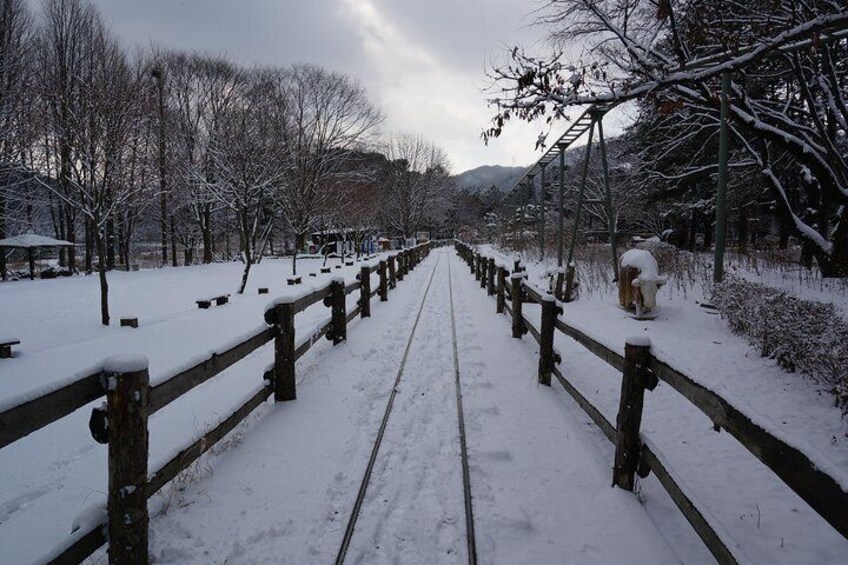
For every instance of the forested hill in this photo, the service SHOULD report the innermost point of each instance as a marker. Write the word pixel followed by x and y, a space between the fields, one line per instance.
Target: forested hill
pixel 481 178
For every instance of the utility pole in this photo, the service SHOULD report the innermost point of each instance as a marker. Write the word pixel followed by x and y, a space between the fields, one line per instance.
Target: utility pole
pixel 611 221
pixel 561 213
pixel 159 75
pixel 542 214
pixel 721 189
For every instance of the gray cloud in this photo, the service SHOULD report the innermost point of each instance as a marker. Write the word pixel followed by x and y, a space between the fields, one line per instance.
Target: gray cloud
pixel 422 62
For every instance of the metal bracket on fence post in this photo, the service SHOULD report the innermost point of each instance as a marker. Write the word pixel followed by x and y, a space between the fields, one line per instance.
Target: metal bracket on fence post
pixel 365 291
pixel 384 284
pixel 635 380
pixel 128 385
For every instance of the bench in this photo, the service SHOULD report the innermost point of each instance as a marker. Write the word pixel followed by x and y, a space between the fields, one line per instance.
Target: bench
pixel 6 348
pixel 293 281
pixel 263 290
pixel 325 269
pixel 218 300
pixel 349 263
pixel 129 322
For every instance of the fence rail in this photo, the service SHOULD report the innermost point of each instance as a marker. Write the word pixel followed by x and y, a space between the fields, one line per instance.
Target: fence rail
pixel 641 371
pixel 131 400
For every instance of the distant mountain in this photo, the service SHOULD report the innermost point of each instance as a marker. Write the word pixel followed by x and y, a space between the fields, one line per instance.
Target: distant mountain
pixel 481 178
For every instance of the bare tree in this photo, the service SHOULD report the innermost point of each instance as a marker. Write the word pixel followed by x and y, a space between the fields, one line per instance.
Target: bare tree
pixel 415 183
pixel 328 115
pixel 16 70
pixel 245 154
pixel 789 88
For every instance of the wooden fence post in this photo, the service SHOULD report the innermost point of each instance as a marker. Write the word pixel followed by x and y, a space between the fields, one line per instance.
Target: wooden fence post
pixel 284 352
pixel 484 271
pixel 518 328
pixel 401 261
pixel 469 259
pixel 338 311
pixel 392 274
pixel 365 292
pixel 546 345
pixel 384 283
pixel 569 282
pixel 636 378
pixel 490 271
pixel 501 298
pixel 127 389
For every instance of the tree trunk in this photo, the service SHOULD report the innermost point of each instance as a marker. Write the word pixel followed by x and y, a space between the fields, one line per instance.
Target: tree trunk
pixel 247 256
pixel 206 228
pixel 174 262
pixel 101 269
pixel 89 247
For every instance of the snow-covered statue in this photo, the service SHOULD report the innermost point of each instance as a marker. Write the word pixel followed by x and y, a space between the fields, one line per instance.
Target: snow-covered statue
pixel 638 282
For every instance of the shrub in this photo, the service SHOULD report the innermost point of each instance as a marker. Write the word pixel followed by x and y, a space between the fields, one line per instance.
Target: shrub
pixel 801 335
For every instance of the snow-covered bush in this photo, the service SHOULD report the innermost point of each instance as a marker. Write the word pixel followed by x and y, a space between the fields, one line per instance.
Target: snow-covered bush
pixel 801 335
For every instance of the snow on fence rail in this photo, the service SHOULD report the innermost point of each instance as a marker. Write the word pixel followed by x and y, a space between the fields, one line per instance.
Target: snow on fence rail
pixel 641 370
pixel 130 400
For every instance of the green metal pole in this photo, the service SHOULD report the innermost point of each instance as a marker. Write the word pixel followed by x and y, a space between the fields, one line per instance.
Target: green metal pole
pixel 721 189
pixel 608 196
pixel 580 194
pixel 542 214
pixel 560 238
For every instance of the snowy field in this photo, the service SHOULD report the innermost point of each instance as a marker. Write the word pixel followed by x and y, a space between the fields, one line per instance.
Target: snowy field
pixel 757 510
pixel 58 471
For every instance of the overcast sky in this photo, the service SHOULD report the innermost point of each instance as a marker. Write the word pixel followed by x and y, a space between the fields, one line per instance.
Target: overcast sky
pixel 422 62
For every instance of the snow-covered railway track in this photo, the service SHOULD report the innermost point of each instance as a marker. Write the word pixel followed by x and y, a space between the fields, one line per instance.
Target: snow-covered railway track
pixel 396 494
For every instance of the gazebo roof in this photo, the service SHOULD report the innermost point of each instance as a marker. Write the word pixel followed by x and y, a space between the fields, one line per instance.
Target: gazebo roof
pixel 32 240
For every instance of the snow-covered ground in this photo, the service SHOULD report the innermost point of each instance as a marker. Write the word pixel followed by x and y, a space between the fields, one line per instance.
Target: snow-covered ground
pixel 768 521
pixel 58 471
pixel 540 481
pixel 281 487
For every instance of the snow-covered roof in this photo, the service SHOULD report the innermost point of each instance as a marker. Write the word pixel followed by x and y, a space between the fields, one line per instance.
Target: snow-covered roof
pixel 30 240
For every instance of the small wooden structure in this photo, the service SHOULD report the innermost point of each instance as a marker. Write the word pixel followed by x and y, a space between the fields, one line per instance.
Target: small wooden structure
pixel 6 348
pixel 205 303
pixel 31 241
pixel 638 282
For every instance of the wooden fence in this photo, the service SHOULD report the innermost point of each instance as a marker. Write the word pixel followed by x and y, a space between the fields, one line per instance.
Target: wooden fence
pixel 130 400
pixel 642 371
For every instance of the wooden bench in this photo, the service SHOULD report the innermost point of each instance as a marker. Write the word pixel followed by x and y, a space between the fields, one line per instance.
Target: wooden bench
pixel 6 348
pixel 218 300
pixel 263 290
pixel 325 269
pixel 293 281
pixel 129 322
